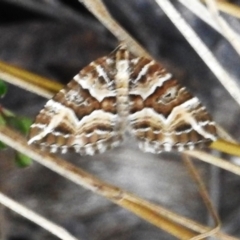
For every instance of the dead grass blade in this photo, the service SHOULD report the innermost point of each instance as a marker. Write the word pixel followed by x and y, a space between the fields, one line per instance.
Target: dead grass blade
pixel 34 217
pixel 229 8
pixel 201 49
pixel 29 81
pixel 204 194
pixel 226 29
pixel 216 161
pixel 226 147
pixel 198 8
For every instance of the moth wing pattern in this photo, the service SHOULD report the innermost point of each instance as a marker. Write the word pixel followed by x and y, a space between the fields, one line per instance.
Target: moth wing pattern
pixel 83 115
pixel 117 93
pixel 163 115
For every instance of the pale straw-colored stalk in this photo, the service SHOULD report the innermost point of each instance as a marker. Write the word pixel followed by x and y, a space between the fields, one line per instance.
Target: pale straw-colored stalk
pixel 206 199
pixel 229 8
pixel 201 49
pixel 201 11
pixel 226 29
pixel 53 228
pixel 28 81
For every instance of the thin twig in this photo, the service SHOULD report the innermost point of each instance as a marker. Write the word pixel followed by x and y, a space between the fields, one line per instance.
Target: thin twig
pixel 215 187
pixel 152 213
pixel 39 220
pixel 227 31
pixel 204 194
pixel 226 147
pixel 28 81
pixel 214 20
pixel 229 83
pixel 201 11
pixel 216 161
pixel 225 135
pixel 229 8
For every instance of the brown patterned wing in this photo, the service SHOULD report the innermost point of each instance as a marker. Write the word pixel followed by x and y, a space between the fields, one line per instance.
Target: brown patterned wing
pixel 83 115
pixel 163 115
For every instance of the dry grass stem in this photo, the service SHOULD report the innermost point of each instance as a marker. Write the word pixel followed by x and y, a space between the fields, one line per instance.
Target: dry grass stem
pixel 39 220
pixel 202 50
pixel 223 134
pixel 227 31
pixel 217 22
pixel 98 9
pixel 201 11
pixel 204 194
pixel 29 81
pixel 226 147
pixel 148 211
pixel 216 161
pixel 229 8
pixel 183 221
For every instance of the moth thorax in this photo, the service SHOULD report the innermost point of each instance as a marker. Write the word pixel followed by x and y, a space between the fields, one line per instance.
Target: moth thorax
pixel 122 92
pixel 122 104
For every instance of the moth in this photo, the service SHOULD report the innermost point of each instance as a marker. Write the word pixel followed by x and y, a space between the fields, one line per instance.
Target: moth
pixel 122 93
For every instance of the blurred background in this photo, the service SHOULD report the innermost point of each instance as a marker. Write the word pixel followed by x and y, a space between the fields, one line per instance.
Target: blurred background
pixel 56 39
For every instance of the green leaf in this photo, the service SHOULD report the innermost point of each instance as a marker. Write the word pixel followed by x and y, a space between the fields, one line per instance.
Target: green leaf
pixel 3 88
pixel 2 146
pixel 21 123
pixel 25 124
pixel 2 120
pixel 22 160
